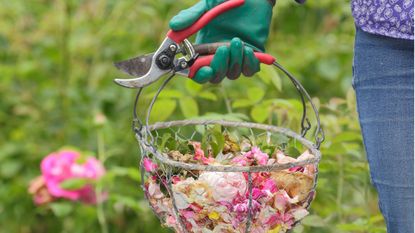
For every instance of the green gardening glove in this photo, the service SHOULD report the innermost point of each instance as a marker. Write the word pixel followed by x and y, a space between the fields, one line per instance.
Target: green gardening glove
pixel 249 22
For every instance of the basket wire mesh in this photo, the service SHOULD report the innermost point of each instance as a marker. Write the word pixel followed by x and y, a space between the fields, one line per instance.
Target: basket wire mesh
pixel 147 135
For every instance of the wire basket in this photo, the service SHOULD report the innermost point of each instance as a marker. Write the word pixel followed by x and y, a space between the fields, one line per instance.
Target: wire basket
pixel 239 190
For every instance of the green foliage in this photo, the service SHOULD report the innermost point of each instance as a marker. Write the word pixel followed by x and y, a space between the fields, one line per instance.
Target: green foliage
pixel 56 84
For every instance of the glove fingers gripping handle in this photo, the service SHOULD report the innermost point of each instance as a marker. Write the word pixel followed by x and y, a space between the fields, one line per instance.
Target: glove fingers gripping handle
pixel 205 61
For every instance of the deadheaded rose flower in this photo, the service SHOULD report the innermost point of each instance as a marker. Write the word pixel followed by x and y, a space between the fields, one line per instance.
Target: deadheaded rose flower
pixel 225 185
pixel 149 165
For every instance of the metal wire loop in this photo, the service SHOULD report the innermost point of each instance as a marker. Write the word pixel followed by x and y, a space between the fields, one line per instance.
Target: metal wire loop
pixel 143 132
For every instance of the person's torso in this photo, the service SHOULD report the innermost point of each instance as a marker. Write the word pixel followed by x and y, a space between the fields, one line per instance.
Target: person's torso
pixel 393 18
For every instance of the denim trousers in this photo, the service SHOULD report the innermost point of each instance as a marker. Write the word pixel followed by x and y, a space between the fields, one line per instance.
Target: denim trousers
pixel 383 79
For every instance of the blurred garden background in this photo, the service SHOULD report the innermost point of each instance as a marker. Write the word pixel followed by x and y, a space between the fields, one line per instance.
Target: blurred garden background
pixel 56 90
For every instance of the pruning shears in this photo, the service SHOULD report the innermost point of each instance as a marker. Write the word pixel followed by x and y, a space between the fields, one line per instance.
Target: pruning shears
pixel 151 67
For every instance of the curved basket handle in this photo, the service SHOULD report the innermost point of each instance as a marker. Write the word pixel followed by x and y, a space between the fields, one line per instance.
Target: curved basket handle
pixel 305 123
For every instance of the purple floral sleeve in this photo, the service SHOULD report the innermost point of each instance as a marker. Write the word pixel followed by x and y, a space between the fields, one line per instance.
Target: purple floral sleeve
pixel 393 18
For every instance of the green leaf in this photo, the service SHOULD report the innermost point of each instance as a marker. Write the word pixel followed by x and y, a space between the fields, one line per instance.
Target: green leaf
pixel 171 144
pixel 268 73
pixel 347 136
pixel 255 94
pixel 208 95
pixel 219 142
pixel 10 168
pixel 298 229
pixel 73 183
pixel 193 88
pixel 164 139
pixel 189 107
pixel 313 221
pixel 350 227
pixel 126 201
pixel 276 80
pixel 169 94
pixel 259 113
pixel 242 103
pixel 293 152
pixel 61 209
pixel 131 172
pixel 162 110
pixel 229 116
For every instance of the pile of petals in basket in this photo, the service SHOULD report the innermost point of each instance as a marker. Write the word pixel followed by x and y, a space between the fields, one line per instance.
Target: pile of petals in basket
pixel 218 202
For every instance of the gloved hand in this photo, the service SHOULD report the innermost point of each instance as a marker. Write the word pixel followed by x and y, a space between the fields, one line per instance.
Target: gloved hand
pixel 250 22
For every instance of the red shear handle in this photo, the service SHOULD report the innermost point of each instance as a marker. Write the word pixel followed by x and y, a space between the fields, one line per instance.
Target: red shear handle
pixel 205 61
pixel 179 36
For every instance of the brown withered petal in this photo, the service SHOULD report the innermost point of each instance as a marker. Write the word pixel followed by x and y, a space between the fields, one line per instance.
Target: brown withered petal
pixel 40 192
pixel 294 183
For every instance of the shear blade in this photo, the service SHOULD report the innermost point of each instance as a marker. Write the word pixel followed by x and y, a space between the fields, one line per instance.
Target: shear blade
pixel 136 66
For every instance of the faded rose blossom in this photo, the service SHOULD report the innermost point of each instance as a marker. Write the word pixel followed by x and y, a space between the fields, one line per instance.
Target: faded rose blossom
pixel 256 194
pixel 258 178
pixel 149 165
pixel 154 190
pixel 309 169
pixel 217 202
pixel 296 169
pixel 266 189
pixel 241 209
pixel 40 192
pixel 195 207
pixel 282 200
pixel 225 185
pixel 243 206
pixel 191 191
pixel 241 161
pixel 284 219
pixel 249 157
pixel 175 179
pixel 283 159
pixel 298 213
pixel 257 228
pixel 260 157
pixel 200 154
pixel 171 221
pixel 67 164
pixel 270 185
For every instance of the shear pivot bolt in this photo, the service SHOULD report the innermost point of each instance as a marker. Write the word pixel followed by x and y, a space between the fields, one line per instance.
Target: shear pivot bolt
pixel 163 62
pixel 183 64
pixel 173 48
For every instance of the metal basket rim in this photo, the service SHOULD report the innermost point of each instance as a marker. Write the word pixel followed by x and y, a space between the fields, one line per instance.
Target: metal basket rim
pixel 228 168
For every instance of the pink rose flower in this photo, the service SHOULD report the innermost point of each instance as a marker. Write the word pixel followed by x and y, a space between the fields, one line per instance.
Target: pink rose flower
pixel 175 179
pixel 241 210
pixel 200 154
pixel 225 185
pixel 254 155
pixel 154 190
pixel 270 185
pixel 296 169
pixel 260 157
pixel 258 178
pixel 149 165
pixel 256 193
pixel 63 165
pixel 285 219
pixel 171 221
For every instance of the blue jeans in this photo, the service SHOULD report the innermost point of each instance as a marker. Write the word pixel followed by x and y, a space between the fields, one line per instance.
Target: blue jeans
pixel 383 78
